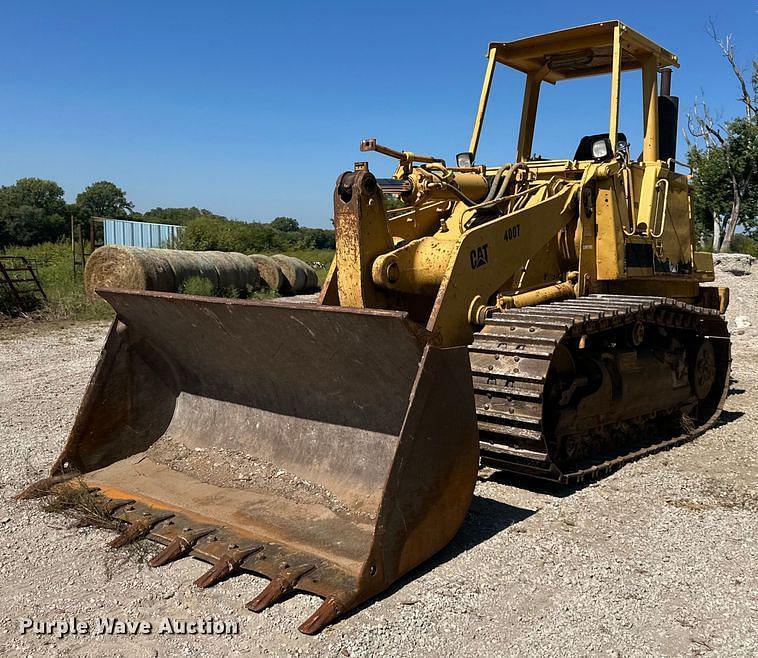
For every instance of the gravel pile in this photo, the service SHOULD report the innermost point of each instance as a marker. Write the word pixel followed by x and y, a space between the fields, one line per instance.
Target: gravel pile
pixel 659 558
pixel 239 470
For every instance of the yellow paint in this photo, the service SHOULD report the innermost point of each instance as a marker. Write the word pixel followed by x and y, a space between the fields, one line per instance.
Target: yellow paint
pixel 624 226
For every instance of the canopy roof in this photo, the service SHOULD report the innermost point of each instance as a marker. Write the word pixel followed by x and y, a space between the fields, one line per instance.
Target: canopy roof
pixel 580 51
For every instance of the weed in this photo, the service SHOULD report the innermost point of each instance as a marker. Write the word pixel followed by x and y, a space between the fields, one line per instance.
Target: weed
pixel 198 285
pixel 77 500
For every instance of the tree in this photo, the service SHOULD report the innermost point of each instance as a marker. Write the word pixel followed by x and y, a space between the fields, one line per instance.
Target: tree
pixel 393 202
pixel 104 199
pixel 724 159
pixel 39 193
pixel 177 215
pixel 31 210
pixel 316 238
pixel 285 224
pixel 205 233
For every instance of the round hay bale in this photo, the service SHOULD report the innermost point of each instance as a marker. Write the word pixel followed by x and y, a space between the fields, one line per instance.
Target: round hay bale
pixel 168 270
pixel 127 268
pixel 236 272
pixel 248 270
pixel 270 273
pixel 294 272
pixel 312 278
pixel 188 264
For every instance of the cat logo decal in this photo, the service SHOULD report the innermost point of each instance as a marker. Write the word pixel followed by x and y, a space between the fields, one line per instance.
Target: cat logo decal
pixel 478 257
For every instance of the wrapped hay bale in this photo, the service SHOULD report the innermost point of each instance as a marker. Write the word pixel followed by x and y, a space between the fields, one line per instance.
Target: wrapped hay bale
pixel 271 275
pixel 300 276
pixel 167 270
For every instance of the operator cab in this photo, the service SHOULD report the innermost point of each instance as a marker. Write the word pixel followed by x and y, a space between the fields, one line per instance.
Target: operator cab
pixel 609 47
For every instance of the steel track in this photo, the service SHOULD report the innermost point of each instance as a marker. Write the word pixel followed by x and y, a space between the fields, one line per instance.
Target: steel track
pixel 511 360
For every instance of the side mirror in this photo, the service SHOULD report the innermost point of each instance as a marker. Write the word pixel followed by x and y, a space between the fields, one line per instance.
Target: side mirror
pixel 601 149
pixel 465 159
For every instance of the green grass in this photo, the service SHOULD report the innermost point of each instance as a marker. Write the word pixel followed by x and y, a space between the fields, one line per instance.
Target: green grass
pixel 65 290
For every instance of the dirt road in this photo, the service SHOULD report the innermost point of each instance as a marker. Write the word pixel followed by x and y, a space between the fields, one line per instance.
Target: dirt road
pixel 660 557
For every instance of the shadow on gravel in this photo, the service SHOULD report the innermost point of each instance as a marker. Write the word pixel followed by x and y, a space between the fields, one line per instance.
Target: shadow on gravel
pixel 727 417
pixel 733 386
pixel 535 486
pixel 486 518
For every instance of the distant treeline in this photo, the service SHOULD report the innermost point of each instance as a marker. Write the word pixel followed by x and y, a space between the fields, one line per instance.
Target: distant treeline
pixel 33 211
pixel 281 234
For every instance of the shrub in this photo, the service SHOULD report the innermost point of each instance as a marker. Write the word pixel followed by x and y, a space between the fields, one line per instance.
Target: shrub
pixel 212 233
pixel 744 244
pixel 198 285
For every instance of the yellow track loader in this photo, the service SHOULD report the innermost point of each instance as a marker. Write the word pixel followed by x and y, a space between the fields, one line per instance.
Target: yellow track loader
pixel 545 317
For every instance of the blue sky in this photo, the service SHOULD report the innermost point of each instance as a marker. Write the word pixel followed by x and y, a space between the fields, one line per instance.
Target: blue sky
pixel 253 109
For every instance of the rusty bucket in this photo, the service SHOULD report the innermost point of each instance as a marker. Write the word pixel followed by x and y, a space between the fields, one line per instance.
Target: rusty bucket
pixel 328 449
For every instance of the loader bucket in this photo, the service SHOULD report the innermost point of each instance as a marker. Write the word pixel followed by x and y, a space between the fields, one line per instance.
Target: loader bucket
pixel 328 449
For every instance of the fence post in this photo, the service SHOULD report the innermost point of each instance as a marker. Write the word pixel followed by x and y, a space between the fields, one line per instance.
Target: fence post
pixel 73 246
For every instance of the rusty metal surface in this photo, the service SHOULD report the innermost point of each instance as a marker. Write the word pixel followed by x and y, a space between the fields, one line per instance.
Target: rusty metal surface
pixel 361 463
pixel 524 426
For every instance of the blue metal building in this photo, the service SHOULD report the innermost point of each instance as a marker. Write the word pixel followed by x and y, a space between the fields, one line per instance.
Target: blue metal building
pixel 140 234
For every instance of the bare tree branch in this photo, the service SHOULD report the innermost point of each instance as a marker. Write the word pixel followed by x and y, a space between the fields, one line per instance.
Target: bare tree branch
pixel 702 125
pixel 718 139
pixel 727 50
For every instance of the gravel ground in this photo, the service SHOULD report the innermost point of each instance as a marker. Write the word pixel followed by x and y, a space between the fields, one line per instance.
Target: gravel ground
pixel 659 558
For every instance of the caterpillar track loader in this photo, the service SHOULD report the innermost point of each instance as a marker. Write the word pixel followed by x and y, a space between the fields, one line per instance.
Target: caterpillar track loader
pixel 545 317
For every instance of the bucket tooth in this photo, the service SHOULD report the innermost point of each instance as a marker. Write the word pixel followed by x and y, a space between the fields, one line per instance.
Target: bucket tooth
pixel 42 487
pixel 116 504
pixel 92 521
pixel 327 612
pixel 180 546
pixel 226 565
pixel 138 529
pixel 279 587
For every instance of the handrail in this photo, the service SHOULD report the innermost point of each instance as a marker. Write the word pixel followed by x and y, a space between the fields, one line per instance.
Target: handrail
pixel 661 183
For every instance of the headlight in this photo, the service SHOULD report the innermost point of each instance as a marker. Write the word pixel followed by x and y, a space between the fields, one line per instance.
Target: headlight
pixel 601 149
pixel 465 159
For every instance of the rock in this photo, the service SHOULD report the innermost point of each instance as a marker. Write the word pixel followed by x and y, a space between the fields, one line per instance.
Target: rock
pixel 740 322
pixel 737 264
